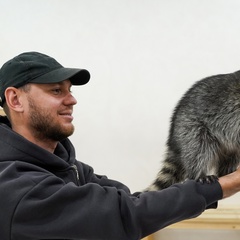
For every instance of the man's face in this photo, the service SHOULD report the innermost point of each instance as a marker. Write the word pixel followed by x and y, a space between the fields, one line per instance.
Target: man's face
pixel 50 108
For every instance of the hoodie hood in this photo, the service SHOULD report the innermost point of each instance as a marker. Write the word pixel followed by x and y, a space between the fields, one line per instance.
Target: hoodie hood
pixel 15 147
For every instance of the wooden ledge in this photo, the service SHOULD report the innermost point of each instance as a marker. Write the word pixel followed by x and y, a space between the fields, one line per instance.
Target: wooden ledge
pixel 148 238
pixel 222 218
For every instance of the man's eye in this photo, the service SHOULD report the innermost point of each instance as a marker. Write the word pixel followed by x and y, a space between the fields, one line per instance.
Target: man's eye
pixel 56 91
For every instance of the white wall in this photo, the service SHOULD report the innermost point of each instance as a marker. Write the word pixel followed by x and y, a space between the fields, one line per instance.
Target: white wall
pixel 142 55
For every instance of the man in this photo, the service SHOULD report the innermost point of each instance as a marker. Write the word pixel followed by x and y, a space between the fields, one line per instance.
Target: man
pixel 47 194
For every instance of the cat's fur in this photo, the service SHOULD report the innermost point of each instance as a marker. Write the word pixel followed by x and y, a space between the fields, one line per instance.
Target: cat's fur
pixel 204 136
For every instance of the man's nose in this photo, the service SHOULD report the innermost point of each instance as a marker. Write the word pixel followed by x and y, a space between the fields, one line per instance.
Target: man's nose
pixel 70 100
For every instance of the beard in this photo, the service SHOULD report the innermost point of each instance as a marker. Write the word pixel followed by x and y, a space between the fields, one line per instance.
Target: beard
pixel 44 125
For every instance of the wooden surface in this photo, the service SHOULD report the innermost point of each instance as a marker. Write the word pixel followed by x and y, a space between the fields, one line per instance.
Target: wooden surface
pixel 148 238
pixel 222 218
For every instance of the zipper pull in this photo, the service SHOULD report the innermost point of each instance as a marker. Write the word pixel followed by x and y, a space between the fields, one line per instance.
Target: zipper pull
pixel 76 170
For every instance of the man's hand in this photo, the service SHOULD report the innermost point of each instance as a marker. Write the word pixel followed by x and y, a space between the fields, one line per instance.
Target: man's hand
pixel 230 183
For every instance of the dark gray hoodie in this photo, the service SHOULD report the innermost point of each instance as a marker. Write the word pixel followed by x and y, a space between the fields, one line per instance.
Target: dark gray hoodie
pixel 54 196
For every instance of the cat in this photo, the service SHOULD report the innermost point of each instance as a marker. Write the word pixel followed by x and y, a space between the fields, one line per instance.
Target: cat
pixel 204 137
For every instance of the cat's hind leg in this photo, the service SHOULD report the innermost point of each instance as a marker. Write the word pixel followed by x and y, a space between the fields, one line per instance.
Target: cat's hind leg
pixel 208 179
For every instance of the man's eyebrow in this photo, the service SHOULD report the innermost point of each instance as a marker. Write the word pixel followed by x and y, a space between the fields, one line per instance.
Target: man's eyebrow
pixel 59 84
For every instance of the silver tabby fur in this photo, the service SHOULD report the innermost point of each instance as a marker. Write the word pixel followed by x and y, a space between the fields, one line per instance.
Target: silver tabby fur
pixel 204 136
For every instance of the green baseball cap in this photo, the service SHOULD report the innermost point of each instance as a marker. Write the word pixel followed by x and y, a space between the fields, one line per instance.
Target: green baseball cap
pixel 35 67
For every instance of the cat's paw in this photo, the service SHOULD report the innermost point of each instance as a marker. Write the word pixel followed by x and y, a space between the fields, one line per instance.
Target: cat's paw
pixel 208 179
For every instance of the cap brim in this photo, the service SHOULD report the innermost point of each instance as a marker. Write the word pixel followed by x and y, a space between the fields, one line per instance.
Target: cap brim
pixel 75 75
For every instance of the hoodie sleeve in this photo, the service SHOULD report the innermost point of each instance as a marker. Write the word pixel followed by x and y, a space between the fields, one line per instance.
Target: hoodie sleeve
pixel 102 210
pixel 90 177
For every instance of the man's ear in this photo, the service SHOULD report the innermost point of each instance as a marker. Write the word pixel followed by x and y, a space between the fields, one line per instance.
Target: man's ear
pixel 13 99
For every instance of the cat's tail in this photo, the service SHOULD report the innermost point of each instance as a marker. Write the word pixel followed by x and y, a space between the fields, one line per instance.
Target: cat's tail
pixel 171 172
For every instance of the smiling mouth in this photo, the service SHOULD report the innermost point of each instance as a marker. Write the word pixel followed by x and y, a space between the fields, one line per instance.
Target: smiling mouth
pixel 66 115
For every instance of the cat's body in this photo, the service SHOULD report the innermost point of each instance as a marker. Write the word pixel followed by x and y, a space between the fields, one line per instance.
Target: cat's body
pixel 204 136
